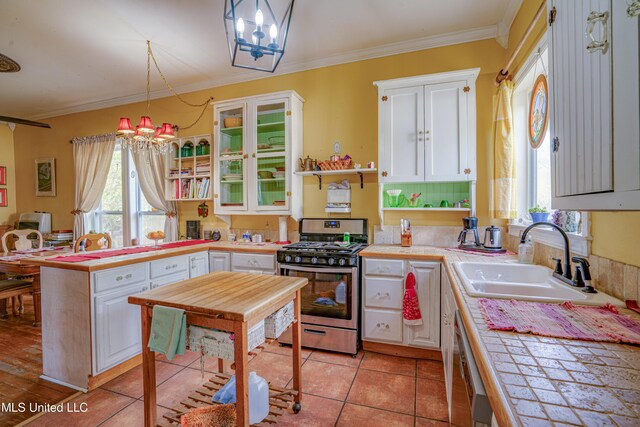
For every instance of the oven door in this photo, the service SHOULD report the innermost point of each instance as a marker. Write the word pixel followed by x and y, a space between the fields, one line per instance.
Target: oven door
pixel 331 296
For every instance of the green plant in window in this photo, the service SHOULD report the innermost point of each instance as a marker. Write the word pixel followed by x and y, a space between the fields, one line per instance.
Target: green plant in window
pixel 538 209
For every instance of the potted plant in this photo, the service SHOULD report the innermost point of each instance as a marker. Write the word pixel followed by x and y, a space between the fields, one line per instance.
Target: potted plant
pixel 539 214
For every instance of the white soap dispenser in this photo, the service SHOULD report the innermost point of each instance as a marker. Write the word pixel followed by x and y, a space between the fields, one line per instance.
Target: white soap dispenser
pixel 526 251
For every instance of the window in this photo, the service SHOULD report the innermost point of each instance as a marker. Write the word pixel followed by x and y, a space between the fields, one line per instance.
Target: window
pixel 124 212
pixel 149 218
pixel 110 214
pixel 533 166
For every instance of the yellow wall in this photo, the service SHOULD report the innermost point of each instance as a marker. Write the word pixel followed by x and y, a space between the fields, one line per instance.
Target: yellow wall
pixel 615 234
pixel 7 160
pixel 341 105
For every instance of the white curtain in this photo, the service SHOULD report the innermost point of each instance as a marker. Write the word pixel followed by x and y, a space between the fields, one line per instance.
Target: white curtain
pixel 151 172
pixel 91 159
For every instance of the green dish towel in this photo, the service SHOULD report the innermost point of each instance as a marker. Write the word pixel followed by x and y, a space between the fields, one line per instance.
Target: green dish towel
pixel 168 331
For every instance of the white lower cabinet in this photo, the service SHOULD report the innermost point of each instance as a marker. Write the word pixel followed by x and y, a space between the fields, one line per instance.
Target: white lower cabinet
pixel 198 264
pixel 383 291
pixel 428 289
pixel 448 334
pixel 168 280
pixel 219 261
pixel 244 262
pixel 117 327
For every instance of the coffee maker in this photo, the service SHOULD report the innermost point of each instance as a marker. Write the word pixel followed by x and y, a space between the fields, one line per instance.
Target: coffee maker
pixel 468 237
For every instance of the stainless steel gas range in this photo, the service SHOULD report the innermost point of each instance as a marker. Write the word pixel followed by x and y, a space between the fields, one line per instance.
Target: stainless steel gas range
pixel 330 302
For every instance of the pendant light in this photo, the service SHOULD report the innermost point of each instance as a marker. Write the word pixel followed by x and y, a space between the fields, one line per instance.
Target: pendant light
pixel 145 136
pixel 247 23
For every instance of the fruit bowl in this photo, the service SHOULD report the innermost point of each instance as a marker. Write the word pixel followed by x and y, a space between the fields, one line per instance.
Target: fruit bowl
pixel 156 236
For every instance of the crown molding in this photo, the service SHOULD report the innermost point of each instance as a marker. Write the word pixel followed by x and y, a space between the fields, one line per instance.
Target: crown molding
pixel 504 26
pixel 424 43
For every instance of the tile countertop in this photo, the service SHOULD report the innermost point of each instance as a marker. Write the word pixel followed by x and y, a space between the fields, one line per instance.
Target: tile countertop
pixel 539 381
pixel 118 261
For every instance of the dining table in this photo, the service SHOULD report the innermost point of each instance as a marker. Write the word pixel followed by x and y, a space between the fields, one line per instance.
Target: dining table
pixel 16 264
pixel 226 301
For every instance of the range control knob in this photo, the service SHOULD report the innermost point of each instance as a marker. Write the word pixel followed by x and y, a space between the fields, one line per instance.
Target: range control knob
pixel 342 261
pixel 297 259
pixel 331 261
pixel 314 260
pixel 287 258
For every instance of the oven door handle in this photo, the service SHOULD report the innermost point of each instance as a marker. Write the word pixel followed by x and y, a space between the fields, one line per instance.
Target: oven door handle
pixel 317 269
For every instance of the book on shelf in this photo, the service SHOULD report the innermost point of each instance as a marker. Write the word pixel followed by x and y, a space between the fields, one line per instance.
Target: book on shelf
pixel 192 188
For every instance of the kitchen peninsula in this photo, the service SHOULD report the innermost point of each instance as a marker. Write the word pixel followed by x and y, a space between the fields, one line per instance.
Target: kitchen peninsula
pixel 90 333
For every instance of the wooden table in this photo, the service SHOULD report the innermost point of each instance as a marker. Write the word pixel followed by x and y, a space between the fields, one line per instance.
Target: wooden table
pixel 231 302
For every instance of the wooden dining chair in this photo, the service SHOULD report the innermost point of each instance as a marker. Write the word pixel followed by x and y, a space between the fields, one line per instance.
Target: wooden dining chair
pixel 14 288
pixel 21 242
pixel 93 242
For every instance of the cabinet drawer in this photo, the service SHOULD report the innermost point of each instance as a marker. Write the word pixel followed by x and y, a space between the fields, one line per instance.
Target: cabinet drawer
pixel 252 261
pixel 166 266
pixel 168 280
pixel 384 267
pixel 383 325
pixel 382 292
pixel 112 278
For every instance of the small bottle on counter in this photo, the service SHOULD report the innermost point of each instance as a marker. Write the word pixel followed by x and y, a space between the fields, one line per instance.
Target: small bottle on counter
pixel 526 251
pixel 406 237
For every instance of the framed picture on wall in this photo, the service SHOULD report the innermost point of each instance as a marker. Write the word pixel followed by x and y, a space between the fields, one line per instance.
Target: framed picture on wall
pixel 46 177
pixel 3 198
pixel 3 175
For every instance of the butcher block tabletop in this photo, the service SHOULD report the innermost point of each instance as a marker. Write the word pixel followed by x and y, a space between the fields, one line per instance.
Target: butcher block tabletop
pixel 225 295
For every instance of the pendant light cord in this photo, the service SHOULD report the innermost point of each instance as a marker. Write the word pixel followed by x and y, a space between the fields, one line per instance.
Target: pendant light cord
pixel 151 56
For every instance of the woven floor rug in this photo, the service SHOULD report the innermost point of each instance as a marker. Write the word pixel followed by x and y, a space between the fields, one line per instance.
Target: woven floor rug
pixel 561 320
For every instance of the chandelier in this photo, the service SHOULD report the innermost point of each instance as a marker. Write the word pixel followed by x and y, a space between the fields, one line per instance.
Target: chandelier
pixel 257 35
pixel 145 136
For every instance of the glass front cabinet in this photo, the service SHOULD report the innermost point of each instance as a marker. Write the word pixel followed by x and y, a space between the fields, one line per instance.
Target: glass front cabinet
pixel 257 142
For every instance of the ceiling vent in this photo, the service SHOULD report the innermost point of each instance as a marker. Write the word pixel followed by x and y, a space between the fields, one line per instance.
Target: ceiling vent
pixel 8 65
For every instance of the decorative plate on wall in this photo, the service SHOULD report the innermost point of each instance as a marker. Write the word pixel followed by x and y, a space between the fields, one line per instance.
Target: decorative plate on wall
pixel 538 111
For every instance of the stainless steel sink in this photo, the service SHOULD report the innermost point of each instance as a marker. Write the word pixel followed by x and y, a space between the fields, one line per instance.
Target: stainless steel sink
pixel 522 282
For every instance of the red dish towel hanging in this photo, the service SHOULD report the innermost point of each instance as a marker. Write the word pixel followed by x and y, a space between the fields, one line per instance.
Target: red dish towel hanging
pixel 410 307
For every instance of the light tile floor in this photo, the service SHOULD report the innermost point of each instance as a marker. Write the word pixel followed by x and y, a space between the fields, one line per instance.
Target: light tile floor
pixel 371 389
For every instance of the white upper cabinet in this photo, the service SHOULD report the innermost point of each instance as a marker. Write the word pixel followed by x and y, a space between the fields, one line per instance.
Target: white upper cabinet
pixel 257 143
pixel 426 128
pixel 594 98
pixel 402 156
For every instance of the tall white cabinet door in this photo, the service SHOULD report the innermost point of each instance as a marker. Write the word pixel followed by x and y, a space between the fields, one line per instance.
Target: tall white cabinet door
pixel 402 158
pixel 446 132
pixel 426 335
pixel 118 335
pixel 198 264
pixel 580 93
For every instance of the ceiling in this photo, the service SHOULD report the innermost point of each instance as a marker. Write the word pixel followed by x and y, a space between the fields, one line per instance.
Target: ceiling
pixel 79 55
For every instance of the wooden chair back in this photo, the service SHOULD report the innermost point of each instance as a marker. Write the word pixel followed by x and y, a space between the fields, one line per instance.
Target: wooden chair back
pixel 93 242
pixel 22 243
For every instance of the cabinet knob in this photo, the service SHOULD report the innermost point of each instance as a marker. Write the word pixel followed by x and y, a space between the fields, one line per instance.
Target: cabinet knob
pixel 119 278
pixel 128 276
pixel 384 173
pixel 246 156
pixel 253 155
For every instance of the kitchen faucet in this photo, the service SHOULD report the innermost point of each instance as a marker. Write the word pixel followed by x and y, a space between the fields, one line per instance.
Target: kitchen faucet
pixel 558 273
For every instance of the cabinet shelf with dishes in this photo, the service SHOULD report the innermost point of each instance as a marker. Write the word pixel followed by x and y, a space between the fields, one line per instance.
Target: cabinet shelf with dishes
pixel 429 196
pixel 188 169
pixel 256 143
